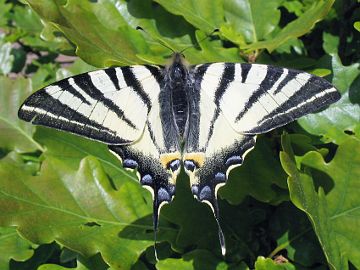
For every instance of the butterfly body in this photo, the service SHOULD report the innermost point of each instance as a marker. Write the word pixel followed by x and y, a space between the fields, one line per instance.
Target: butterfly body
pixel 156 119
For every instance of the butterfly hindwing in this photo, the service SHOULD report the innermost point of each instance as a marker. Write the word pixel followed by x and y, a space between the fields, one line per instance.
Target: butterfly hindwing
pixel 157 165
pixel 109 105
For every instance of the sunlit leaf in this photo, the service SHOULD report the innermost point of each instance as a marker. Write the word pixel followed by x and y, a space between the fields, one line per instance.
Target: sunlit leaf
pixel 251 19
pixel 336 122
pixel 199 13
pixel 14 133
pixel 12 246
pixel 296 28
pixel 268 264
pixel 79 207
pixel 357 26
pixel 200 259
pixel 6 59
pixel 334 214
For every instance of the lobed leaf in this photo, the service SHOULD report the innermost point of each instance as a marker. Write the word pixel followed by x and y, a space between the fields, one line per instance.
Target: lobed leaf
pixel 266 185
pixel 79 209
pixel 333 214
pixel 14 247
pixel 200 259
pixel 252 20
pixel 296 28
pixel 100 32
pixel 336 122
pixel 199 13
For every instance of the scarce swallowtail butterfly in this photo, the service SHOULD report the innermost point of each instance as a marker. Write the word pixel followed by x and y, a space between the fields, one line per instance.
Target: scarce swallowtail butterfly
pixel 156 119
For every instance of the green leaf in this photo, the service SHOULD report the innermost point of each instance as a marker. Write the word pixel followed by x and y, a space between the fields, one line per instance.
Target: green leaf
pixel 4 12
pixel 106 39
pixel 296 28
pixel 212 51
pixel 42 254
pixel 200 259
pixel 57 267
pixel 344 76
pixel 294 237
pixel 321 72
pixel 78 67
pixel 342 117
pixel 12 246
pixel 335 123
pixel 200 13
pixel 26 19
pixel 111 38
pixel 268 264
pixel 14 133
pixel 331 43
pixel 266 185
pixel 79 207
pixel 75 148
pixel 357 26
pixel 334 213
pixel 253 20
pixel 6 59
pixel 294 7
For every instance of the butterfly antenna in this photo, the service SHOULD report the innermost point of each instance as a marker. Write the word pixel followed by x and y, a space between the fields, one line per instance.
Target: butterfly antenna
pixel 156 39
pixel 206 37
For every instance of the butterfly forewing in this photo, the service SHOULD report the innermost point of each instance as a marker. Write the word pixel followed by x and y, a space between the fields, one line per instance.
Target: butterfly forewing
pixel 103 105
pixel 258 98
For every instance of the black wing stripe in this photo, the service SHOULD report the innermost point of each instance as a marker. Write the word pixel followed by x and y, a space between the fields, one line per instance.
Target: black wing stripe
pixel 111 72
pixel 45 110
pixel 226 78
pixel 245 68
pixel 156 72
pixel 199 73
pixel 66 86
pixel 85 83
pixel 305 93
pixel 285 117
pixel 266 84
pixel 291 74
pixel 133 82
pixel 152 136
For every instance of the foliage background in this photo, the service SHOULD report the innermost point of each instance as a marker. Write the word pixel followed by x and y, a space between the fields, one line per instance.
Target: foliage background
pixel 65 201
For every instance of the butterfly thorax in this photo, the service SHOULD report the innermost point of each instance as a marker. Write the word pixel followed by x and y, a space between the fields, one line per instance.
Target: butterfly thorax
pixel 177 81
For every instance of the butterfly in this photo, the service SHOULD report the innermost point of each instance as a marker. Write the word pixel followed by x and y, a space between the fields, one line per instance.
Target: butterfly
pixel 158 119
